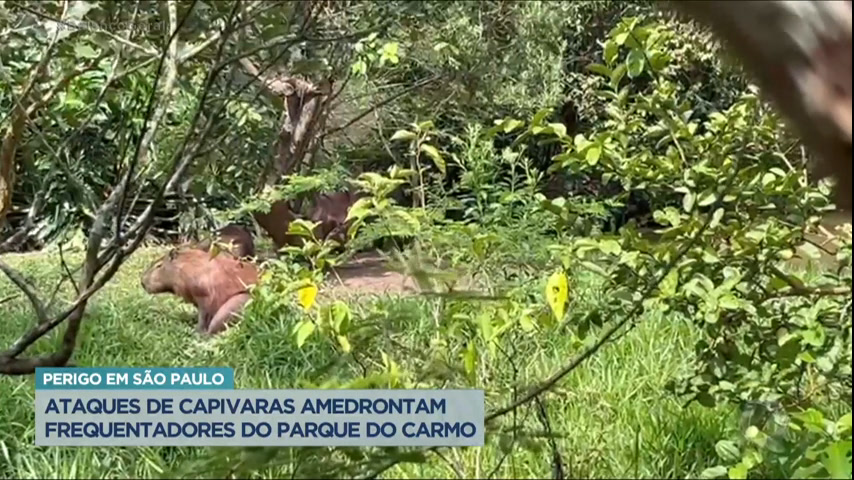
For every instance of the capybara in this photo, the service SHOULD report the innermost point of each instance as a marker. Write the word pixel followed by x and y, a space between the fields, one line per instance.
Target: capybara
pixel 217 286
pixel 276 223
pixel 331 211
pixel 242 245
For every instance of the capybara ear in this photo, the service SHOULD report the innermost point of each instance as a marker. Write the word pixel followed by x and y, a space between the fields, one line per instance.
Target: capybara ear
pixel 173 253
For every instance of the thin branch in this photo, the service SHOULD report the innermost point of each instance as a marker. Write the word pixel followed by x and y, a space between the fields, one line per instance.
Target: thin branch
pixel 67 270
pixel 140 226
pixel 169 62
pixel 28 288
pixel 820 246
pixel 77 29
pixel 384 102
pixel 9 298
pixel 23 232
pixel 213 38
pixel 798 289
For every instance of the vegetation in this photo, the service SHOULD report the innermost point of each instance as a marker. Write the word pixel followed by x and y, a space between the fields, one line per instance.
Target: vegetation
pixel 602 218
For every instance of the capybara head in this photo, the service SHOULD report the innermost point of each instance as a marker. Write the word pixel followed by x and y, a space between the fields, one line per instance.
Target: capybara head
pixel 161 276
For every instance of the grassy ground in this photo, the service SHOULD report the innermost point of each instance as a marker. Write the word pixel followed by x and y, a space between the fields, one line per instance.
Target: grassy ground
pixel 610 418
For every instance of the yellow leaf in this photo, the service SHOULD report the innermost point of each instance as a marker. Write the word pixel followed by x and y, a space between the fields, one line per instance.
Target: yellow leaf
pixel 307 294
pixel 557 293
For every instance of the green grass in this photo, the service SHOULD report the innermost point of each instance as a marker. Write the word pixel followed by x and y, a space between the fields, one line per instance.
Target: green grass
pixel 610 418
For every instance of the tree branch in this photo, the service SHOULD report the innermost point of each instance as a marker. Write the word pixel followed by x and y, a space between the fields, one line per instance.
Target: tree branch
pixel 169 61
pixel 800 290
pixel 213 38
pixel 28 288
pixel 384 102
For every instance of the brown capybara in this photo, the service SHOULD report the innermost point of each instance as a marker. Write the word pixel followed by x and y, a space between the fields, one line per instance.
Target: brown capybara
pixel 242 245
pixel 218 286
pixel 276 223
pixel 331 211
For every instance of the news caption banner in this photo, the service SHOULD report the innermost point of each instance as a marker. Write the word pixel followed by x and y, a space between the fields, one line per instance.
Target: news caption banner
pixel 199 406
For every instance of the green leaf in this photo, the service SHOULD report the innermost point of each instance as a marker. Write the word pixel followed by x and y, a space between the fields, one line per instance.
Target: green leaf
pixel 728 301
pixel 79 9
pixel 659 60
pixel 669 283
pixel 340 317
pixel 433 153
pixel 716 218
pixel 426 125
pixel 738 471
pixel 470 360
pixel 559 129
pixel 843 425
pixel 768 178
pixel 403 135
pixel 359 67
pixel 302 227
pixel 705 399
pixel 727 451
pixel 389 52
pixel 526 323
pixel 634 63
pixel 345 344
pixel 541 115
pixel 85 50
pixel 611 49
pixel 305 330
pixel 707 199
pixel 359 209
pixel 618 75
pixel 593 154
pixel 511 124
pixel 688 202
pixel 814 336
pixel 751 459
pixel 596 268
pixel 486 330
pixel 600 69
pixel 837 460
pixel 714 472
pixel 610 247
pixel 812 420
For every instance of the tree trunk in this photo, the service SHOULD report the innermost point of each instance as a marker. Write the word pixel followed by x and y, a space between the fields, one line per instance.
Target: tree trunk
pixel 306 106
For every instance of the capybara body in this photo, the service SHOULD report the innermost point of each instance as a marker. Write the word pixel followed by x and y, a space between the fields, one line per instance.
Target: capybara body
pixel 331 211
pixel 328 209
pixel 276 223
pixel 217 286
pixel 242 244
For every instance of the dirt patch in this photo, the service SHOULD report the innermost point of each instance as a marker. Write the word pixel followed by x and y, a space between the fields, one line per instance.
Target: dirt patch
pixel 368 274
